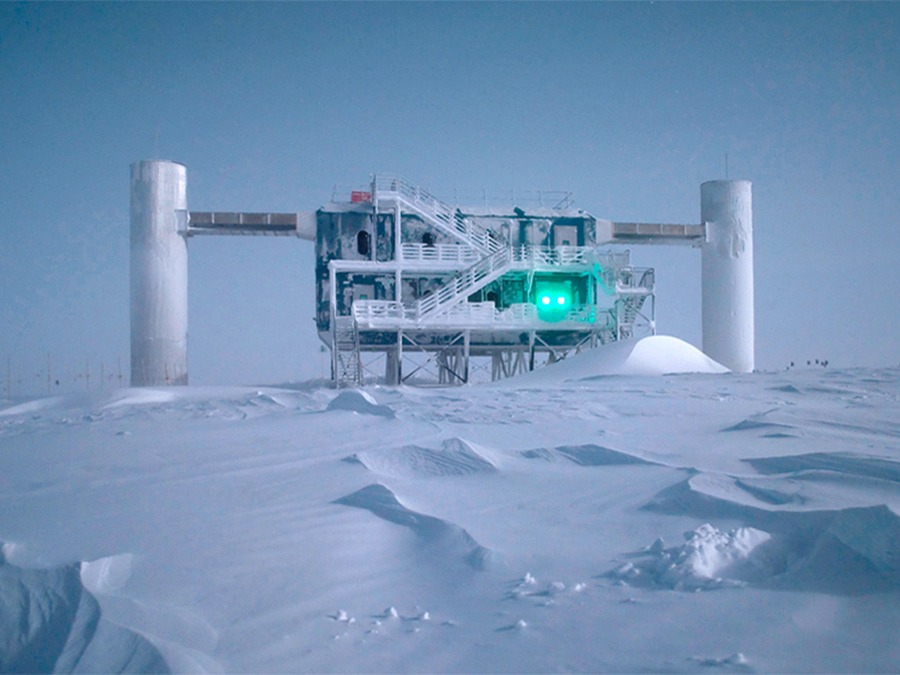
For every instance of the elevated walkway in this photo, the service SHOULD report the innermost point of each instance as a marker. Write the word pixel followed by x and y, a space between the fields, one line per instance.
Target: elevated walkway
pixel 301 225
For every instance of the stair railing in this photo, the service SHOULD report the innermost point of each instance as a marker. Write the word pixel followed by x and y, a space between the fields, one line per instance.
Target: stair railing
pixel 438 213
pixel 463 283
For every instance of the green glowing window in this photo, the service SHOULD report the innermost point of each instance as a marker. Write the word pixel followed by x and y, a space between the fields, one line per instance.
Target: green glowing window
pixel 553 299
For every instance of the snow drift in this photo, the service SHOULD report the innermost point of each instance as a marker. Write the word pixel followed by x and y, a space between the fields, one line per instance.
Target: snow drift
pixel 654 355
pixel 505 528
pixel 50 623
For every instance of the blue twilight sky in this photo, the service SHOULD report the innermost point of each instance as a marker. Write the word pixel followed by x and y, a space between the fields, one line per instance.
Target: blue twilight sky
pixel 629 105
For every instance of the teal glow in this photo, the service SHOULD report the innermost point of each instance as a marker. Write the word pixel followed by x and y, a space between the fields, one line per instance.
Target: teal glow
pixel 553 298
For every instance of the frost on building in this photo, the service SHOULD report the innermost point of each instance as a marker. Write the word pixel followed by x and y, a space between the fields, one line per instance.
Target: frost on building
pixel 412 289
pixel 408 285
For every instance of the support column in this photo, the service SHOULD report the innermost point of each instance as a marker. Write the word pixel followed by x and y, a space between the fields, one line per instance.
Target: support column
pixel 727 273
pixel 159 297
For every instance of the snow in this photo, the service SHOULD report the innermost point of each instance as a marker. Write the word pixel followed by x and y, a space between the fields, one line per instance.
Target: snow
pixel 708 559
pixel 563 521
pixel 654 355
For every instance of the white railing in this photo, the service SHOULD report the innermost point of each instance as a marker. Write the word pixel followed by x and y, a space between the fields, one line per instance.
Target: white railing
pixel 469 313
pixel 590 314
pixel 442 215
pixel 552 256
pixel 521 312
pixel 364 311
pixel 464 283
pixel 445 253
pixel 390 313
pixel 635 280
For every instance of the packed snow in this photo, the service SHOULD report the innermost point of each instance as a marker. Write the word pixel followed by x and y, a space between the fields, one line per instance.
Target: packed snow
pixel 582 518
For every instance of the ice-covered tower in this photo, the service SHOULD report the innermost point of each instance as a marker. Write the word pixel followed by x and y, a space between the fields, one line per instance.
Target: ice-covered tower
pixel 727 273
pixel 159 295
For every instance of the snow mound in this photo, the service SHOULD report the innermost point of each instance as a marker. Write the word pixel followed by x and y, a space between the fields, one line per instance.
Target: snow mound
pixel 709 559
pixel 654 355
pixel 50 623
pixel 456 457
pixel 817 547
pixel 31 407
pixel 140 396
pixel 360 402
pixel 438 534
pixel 584 455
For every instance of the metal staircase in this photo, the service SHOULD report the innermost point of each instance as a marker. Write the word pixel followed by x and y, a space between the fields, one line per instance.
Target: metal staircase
pixel 346 357
pixel 630 308
pixel 435 212
pixel 464 283
pixel 633 292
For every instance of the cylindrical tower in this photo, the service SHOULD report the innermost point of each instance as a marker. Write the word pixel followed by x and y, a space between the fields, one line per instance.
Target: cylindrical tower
pixel 727 277
pixel 159 301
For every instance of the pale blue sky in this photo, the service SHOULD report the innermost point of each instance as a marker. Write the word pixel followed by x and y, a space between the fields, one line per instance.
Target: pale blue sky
pixel 630 106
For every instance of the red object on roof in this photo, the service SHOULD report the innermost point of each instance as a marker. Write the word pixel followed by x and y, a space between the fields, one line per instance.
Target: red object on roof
pixel 360 196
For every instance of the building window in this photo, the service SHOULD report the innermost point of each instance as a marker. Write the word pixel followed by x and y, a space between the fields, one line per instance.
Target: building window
pixel 363 243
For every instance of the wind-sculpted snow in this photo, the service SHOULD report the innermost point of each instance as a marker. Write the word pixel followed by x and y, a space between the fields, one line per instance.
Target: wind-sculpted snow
pixel 842 463
pixel 787 483
pixel 50 623
pixel 823 538
pixel 709 559
pixel 584 455
pixel 456 457
pixel 450 539
pixel 359 402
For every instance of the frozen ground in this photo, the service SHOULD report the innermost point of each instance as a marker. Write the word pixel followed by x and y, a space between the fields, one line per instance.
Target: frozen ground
pixel 568 521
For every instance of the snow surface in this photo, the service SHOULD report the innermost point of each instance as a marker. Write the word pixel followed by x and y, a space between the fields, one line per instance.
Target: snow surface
pixel 678 523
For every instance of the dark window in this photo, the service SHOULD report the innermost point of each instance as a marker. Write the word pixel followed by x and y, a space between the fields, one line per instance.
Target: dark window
pixel 363 243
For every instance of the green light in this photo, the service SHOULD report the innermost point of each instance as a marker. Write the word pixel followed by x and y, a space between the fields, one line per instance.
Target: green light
pixel 553 298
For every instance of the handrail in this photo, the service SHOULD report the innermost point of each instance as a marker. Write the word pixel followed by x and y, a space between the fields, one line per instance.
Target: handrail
pixel 391 312
pixel 440 214
pixel 364 310
pixel 552 256
pixel 463 283
pixel 449 253
pixel 635 279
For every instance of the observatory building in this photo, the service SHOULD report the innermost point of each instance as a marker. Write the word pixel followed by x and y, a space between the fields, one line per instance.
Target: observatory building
pixel 412 289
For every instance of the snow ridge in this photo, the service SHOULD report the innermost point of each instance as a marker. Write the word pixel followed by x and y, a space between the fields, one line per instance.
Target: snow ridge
pixel 439 534
pixel 456 457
